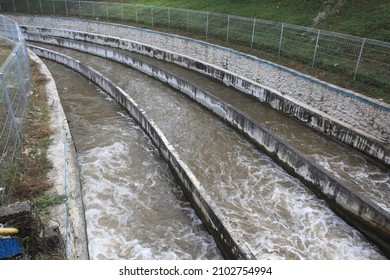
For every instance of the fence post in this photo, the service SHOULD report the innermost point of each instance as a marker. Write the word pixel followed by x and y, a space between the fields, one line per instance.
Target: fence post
pixel 80 7
pixel 13 2
pixel 227 29
pixel 26 62
pixel 169 18
pixel 253 32
pixel 281 39
pixel 151 10
pixel 122 11
pixel 136 15
pixel 24 65
pixel 14 36
pixel 28 6
pixel 9 104
pixel 315 48
pixel 187 22
pixel 66 8
pixel 20 73
pixel 54 7
pixel 93 10
pixel 359 58
pixel 40 5
pixel 4 33
pixel 207 24
pixel 106 10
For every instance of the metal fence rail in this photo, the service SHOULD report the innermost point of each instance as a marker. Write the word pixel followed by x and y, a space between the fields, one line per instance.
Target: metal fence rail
pixel 358 58
pixel 15 81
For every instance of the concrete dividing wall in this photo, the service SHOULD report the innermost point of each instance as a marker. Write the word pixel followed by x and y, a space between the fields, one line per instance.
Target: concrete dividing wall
pixel 357 111
pixel 64 175
pixel 229 243
pixel 357 210
pixel 306 114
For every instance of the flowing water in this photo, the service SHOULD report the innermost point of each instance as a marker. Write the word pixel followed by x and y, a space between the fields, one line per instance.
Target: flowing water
pixel 361 174
pixel 134 207
pixel 277 216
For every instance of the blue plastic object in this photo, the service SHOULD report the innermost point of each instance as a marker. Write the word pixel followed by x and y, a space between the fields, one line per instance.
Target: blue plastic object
pixel 10 247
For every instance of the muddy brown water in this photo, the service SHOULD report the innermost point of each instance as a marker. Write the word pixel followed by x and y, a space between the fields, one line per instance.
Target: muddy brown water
pixel 134 207
pixel 364 176
pixel 276 215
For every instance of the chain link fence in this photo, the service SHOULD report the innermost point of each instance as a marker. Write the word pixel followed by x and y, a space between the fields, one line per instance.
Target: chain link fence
pixel 15 82
pixel 362 59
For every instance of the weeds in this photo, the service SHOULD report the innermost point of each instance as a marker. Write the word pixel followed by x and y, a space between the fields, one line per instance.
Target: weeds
pixel 43 203
pixel 5 50
pixel 32 165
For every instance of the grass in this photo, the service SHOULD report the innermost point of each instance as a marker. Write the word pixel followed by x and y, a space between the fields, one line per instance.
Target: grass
pixel 285 11
pixel 5 50
pixel 364 18
pixel 335 72
pixel 335 61
pixel 27 178
pixel 44 202
pixel 368 19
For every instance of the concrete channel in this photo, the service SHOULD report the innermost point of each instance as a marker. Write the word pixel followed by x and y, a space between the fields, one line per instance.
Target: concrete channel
pixel 119 98
pixel 350 117
pixel 229 243
pixel 134 207
pixel 369 216
pixel 354 208
pixel 308 115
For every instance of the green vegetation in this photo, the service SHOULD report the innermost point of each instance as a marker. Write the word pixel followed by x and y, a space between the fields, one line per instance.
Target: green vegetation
pixel 335 60
pixel 364 18
pixel 43 203
pixel 5 50
pixel 293 11
pixel 368 19
pixel 27 177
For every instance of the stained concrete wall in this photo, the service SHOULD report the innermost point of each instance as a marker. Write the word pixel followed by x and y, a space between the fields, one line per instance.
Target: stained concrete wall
pixel 306 114
pixel 64 175
pixel 357 210
pixel 229 242
pixel 357 111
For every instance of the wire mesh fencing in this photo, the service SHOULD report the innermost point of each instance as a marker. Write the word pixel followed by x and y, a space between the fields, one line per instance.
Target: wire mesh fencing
pixel 15 82
pixel 357 58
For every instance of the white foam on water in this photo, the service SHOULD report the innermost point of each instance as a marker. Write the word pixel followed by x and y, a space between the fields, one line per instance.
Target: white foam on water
pixel 134 208
pixel 369 178
pixel 292 222
pixel 278 216
pixel 282 219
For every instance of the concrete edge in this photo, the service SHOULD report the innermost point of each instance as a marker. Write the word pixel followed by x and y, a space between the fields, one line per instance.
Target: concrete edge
pixel 229 242
pixel 306 114
pixel 64 174
pixel 344 91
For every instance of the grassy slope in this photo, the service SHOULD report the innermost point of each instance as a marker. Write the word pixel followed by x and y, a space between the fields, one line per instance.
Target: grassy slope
pixel 365 18
pixel 5 50
pixel 287 11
